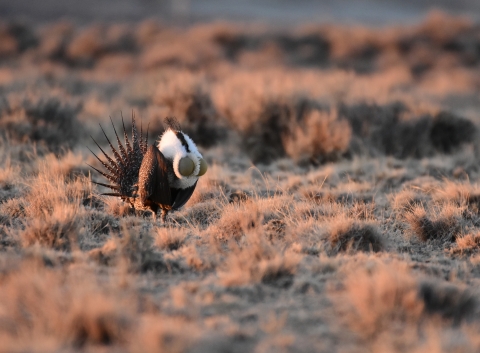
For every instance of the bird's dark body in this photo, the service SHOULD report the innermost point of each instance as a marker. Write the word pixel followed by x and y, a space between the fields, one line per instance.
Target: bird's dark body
pixel 141 175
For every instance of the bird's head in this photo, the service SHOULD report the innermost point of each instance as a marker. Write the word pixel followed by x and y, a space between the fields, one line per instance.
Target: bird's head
pixel 178 147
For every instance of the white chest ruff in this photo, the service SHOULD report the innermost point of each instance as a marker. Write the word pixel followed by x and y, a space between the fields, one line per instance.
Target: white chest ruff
pixel 173 149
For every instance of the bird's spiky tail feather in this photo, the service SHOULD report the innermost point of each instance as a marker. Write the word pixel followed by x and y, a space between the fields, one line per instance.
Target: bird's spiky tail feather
pixel 123 166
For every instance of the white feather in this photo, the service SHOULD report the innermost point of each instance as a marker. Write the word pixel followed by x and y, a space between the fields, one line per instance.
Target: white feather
pixel 172 148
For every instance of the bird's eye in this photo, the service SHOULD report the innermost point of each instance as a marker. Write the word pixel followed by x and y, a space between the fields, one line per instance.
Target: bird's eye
pixel 186 166
pixel 203 167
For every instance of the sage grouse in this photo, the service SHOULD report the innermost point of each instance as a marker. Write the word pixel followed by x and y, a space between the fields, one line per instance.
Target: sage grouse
pixel 153 178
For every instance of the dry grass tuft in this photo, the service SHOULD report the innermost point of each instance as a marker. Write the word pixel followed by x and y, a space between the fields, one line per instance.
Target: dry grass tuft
pixel 9 174
pixel 392 131
pixel 467 244
pixel 170 238
pixel 199 215
pixel 323 137
pixel 379 297
pixel 406 200
pixel 449 132
pixel 13 208
pixel 189 101
pixel 441 224
pixel 47 310
pixel 237 220
pixel 133 247
pixel 448 301
pixel 253 260
pixel 107 254
pixel 46 120
pixel 50 189
pixel 346 234
pixel 58 230
pixel 52 209
pixel 116 207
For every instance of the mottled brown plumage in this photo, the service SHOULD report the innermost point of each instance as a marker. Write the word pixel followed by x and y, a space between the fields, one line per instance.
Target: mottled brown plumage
pixel 142 175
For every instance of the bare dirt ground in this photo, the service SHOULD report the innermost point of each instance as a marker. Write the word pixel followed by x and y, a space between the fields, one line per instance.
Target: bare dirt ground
pixel 340 213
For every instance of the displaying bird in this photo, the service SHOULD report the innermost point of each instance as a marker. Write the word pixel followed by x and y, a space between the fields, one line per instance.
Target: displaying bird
pixel 153 178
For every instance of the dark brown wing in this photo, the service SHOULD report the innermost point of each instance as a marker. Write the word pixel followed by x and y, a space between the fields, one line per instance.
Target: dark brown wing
pixel 153 178
pixel 181 196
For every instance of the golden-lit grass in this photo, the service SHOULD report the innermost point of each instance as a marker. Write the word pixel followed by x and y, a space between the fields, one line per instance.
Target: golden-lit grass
pixel 381 296
pixel 349 234
pixel 443 225
pixel 254 260
pixel 340 211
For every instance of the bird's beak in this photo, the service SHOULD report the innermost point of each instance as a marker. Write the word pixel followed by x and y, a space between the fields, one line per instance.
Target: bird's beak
pixel 186 166
pixel 203 167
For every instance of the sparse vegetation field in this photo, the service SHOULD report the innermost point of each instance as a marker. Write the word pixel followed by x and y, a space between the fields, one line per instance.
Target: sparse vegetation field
pixel 340 212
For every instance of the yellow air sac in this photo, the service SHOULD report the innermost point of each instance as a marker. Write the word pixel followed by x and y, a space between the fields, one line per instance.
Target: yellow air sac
pixel 186 166
pixel 203 167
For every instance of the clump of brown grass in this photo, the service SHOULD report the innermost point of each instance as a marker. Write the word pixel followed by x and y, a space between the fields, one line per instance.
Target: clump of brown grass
pixel 48 191
pixel 9 174
pixel 448 301
pixel 13 208
pixel 463 194
pixel 237 220
pixel 57 230
pixel 8 45
pixel 346 234
pixel 200 215
pixel 254 260
pixel 467 244
pixel 174 48
pixel 170 238
pixel 116 206
pixel 47 120
pixel 107 254
pixel 16 39
pixel 406 200
pixel 132 248
pixel 99 221
pixel 323 137
pixel 190 102
pixel 68 165
pixel 52 209
pixel 48 309
pixel 442 223
pixel 393 130
pixel 86 45
pixel 450 131
pixel 380 298
pixel 55 38
pixel 267 215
